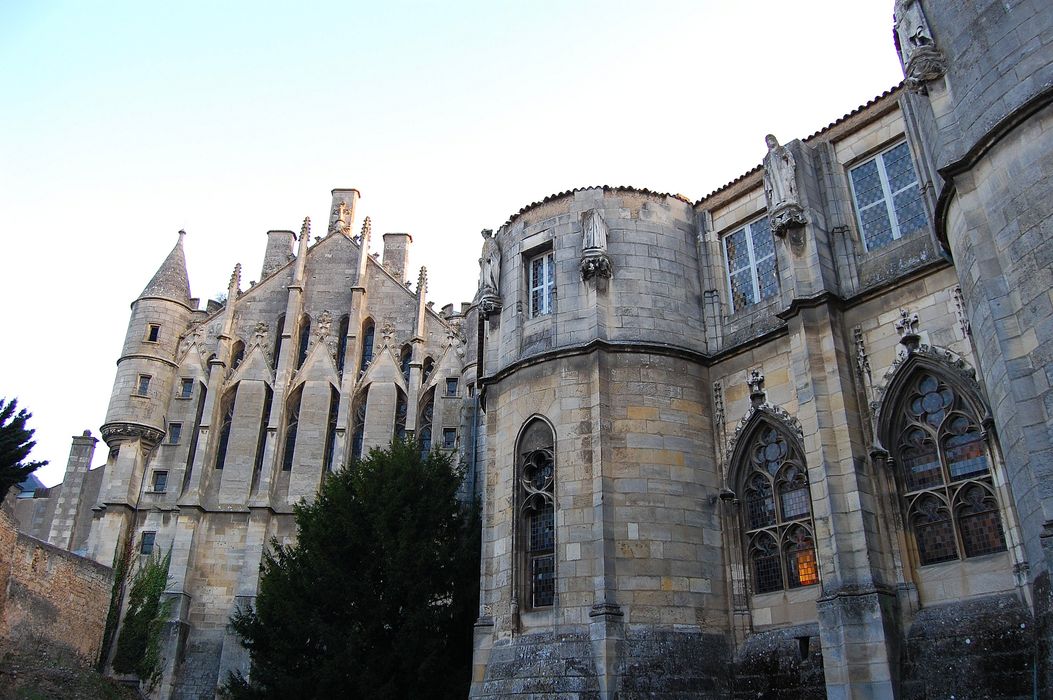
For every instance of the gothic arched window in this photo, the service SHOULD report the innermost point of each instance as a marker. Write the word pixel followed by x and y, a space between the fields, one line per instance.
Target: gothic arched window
pixel 279 327
pixel 330 429
pixel 227 417
pixel 943 467
pixel 368 332
pixel 401 409
pixel 537 523
pixel 780 544
pixel 305 339
pixel 237 354
pixel 425 423
pixel 341 348
pixel 292 424
pixel 358 427
pixel 404 362
pixel 426 369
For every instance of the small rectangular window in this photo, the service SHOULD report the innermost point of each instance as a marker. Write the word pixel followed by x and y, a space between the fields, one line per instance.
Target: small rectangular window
pixel 888 200
pixel 542 284
pixel 471 390
pixel 749 256
pixel 153 332
pixel 142 385
pixel 160 481
pixel 186 388
pixel 175 430
pixel 449 438
pixel 451 386
pixel 146 546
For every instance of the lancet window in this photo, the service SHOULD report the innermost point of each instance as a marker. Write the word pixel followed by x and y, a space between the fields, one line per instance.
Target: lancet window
pixel 944 468
pixel 426 416
pixel 358 427
pixel 368 332
pixel 292 425
pixel 227 418
pixel 537 523
pixel 777 510
pixel 330 429
pixel 401 409
pixel 305 339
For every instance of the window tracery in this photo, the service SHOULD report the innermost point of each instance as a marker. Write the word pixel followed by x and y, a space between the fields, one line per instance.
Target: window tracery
pixel 778 514
pixel 537 473
pixel 944 469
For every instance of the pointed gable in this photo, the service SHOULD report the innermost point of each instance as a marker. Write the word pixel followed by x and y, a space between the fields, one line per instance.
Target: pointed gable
pixel 255 367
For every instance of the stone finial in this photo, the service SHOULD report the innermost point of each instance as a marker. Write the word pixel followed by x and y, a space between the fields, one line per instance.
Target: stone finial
pixel 367 230
pixel 907 325
pixel 780 187
pixel 305 229
pixel 422 281
pixel 755 380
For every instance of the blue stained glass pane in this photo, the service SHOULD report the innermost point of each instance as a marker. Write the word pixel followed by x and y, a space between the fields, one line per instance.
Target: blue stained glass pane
pixel 742 289
pixel 768 278
pixel 738 253
pixel 910 214
pixel 867 184
pixel 763 246
pixel 877 230
pixel 899 168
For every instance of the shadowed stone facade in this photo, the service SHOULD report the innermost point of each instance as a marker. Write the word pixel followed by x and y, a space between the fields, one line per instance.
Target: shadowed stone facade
pixel 723 450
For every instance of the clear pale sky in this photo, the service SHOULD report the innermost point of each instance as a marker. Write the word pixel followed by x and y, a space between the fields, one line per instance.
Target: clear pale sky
pixel 123 122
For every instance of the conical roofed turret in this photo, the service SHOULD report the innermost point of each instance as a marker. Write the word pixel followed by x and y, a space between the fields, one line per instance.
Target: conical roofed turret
pixel 171 280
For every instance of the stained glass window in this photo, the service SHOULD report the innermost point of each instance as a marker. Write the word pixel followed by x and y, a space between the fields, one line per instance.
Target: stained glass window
pixel 945 471
pixel 778 514
pixel 751 264
pixel 887 197
pixel 538 517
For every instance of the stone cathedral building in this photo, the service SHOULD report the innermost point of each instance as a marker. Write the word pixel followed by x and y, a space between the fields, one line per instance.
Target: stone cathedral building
pixel 794 439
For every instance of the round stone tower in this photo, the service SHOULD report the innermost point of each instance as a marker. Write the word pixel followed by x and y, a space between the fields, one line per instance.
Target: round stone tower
pixel 145 381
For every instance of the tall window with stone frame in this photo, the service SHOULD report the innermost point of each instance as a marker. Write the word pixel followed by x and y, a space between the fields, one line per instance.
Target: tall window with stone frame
pixel 237 354
pixel 358 425
pixel 305 340
pixel 536 523
pixel 750 264
pixel 226 419
pixel 943 466
pixel 404 362
pixel 776 511
pixel 424 431
pixel 542 283
pixel 330 429
pixel 341 348
pixel 368 332
pixel 887 197
pixel 292 426
pixel 401 411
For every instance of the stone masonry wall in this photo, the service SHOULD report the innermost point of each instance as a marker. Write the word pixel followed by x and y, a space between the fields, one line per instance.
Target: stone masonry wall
pixel 50 596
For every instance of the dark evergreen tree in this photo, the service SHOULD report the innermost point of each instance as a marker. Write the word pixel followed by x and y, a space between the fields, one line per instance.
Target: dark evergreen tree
pixel 16 440
pixel 378 596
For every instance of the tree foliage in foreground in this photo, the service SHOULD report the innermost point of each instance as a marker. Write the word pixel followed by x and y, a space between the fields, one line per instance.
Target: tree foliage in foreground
pixel 16 440
pixel 378 596
pixel 139 641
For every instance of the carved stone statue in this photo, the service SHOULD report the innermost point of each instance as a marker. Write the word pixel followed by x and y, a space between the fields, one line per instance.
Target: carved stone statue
pixel 594 231
pixel 594 259
pixel 922 60
pixel 490 265
pixel 780 187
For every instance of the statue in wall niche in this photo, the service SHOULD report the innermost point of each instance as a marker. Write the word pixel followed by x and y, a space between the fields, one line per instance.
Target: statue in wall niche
pixel 780 187
pixel 922 61
pixel 594 259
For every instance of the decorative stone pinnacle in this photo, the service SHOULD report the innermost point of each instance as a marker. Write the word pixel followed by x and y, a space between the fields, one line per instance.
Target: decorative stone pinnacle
pixel 305 230
pixel 422 280
pixel 755 380
pixel 907 325
pixel 182 233
pixel 367 228
pixel 235 279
